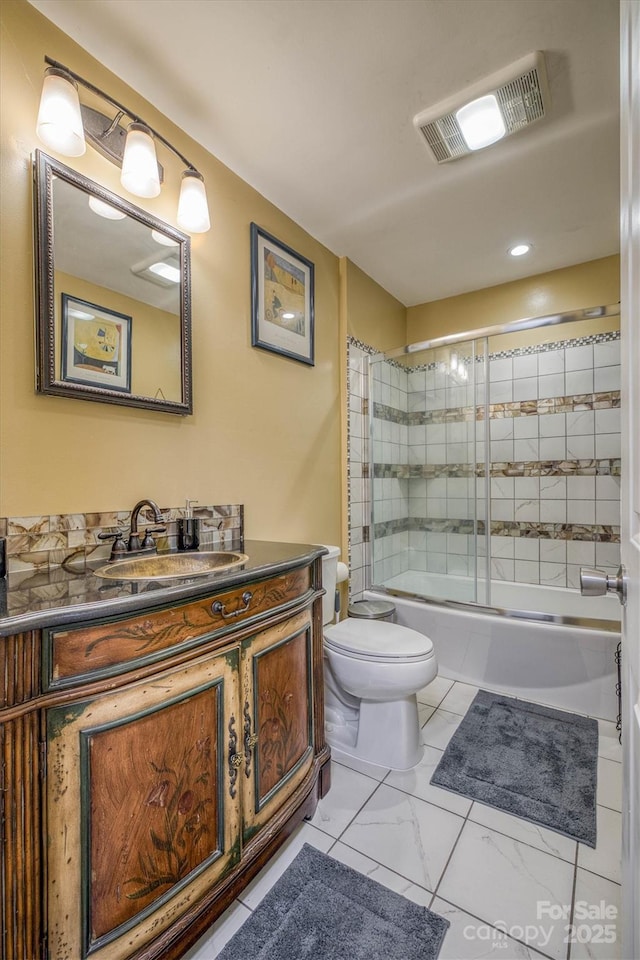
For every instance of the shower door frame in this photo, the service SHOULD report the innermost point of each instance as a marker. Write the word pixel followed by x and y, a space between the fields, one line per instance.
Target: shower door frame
pixel 480 333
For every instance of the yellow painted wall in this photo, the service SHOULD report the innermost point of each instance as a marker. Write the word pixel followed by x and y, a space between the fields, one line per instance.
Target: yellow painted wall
pixel 265 430
pixel 585 285
pixel 373 315
pixel 155 336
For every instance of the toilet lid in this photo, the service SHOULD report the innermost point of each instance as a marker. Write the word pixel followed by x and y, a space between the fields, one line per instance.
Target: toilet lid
pixel 377 640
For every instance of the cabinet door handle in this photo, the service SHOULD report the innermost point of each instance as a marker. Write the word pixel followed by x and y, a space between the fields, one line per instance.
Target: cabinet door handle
pixel 219 607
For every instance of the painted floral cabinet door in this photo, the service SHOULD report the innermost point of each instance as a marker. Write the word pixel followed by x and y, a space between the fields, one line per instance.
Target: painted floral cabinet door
pixel 277 690
pixel 142 806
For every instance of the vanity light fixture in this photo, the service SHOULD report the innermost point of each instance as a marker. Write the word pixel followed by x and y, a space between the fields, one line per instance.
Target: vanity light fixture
pixel 59 124
pixel 105 210
pixel 64 123
pixel 163 239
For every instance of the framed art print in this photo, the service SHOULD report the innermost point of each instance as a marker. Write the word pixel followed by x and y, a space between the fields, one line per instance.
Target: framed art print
pixel 96 345
pixel 281 298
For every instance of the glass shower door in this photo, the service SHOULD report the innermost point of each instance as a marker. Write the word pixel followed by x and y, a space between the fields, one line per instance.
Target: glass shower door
pixel 432 468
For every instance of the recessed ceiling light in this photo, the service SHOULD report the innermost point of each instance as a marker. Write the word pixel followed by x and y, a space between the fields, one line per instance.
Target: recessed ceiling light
pixel 288 316
pixel 520 249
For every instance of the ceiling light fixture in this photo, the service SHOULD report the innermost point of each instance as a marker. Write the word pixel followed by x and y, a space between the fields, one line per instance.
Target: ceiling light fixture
pixel 64 125
pixel 481 122
pixel 487 111
pixel 520 249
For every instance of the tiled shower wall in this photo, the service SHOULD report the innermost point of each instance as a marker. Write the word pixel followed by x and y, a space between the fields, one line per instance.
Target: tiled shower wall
pixel 359 484
pixel 554 473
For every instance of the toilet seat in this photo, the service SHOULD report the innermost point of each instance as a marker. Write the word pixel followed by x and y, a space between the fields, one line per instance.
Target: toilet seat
pixel 378 640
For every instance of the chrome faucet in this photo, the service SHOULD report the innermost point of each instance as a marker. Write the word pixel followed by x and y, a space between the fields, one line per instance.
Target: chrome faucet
pixel 134 544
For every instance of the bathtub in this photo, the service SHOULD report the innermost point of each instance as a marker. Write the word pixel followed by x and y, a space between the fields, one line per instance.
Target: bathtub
pixel 563 656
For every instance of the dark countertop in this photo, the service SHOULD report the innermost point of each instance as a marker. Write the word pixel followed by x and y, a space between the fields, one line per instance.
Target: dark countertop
pixel 29 601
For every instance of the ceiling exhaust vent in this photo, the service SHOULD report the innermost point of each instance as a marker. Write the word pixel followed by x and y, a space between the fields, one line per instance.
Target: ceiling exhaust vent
pixel 522 95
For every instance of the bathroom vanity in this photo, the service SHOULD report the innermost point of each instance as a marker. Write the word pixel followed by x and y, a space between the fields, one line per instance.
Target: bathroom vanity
pixel 159 742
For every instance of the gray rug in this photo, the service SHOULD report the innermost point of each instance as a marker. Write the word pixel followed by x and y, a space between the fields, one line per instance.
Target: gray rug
pixel 321 909
pixel 532 761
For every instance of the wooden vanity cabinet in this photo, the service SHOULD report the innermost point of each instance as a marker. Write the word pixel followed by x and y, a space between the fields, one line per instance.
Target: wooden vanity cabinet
pixel 165 787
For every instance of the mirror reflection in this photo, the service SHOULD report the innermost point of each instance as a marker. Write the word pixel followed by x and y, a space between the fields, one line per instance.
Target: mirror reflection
pixel 116 327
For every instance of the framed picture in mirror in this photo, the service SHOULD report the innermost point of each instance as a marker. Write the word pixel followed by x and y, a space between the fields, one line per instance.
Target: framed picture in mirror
pixel 282 298
pixel 96 345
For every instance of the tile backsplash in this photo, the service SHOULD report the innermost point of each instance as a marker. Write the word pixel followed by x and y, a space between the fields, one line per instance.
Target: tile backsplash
pixel 41 542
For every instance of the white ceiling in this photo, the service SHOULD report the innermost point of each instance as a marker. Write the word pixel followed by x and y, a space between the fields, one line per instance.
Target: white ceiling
pixel 312 102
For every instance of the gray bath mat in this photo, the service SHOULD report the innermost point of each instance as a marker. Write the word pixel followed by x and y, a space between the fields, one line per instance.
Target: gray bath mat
pixel 532 761
pixel 321 909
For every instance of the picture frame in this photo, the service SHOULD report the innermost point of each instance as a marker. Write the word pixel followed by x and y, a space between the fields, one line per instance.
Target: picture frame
pixel 282 298
pixel 96 345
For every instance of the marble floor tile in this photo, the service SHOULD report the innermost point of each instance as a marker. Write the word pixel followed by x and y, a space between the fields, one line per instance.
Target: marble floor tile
pixel 504 881
pixel 587 933
pixel 416 782
pixel 610 784
pixel 405 834
pixel 219 933
pixel 439 728
pixel 262 883
pixel 348 792
pixel 471 939
pixel 606 858
pixel 523 830
pixel 393 881
pixel 360 766
pixel 459 698
pixel 424 712
pixel 435 691
pixel 609 745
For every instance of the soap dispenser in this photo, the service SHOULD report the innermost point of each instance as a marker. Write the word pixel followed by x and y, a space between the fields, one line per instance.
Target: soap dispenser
pixel 188 528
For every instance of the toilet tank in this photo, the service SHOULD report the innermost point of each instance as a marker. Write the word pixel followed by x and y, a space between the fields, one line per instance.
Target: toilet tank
pixel 329 576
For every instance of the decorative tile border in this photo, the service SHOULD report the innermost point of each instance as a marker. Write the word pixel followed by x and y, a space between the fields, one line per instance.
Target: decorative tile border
pixel 518 408
pixel 599 533
pixel 526 468
pixel 556 345
pixel 44 542
pixel 608 337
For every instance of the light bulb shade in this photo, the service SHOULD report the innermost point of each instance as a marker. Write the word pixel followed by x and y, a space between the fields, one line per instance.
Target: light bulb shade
pixel 481 122
pixel 139 163
pixel 59 123
pixel 104 209
pixel 193 211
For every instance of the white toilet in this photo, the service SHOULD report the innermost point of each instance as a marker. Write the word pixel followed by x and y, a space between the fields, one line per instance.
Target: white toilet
pixel 373 670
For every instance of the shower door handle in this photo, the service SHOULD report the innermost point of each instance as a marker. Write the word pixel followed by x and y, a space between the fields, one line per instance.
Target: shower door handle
pixel 597 583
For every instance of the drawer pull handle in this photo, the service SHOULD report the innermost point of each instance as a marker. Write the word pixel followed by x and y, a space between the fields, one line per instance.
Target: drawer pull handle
pixel 218 607
pixel 236 760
